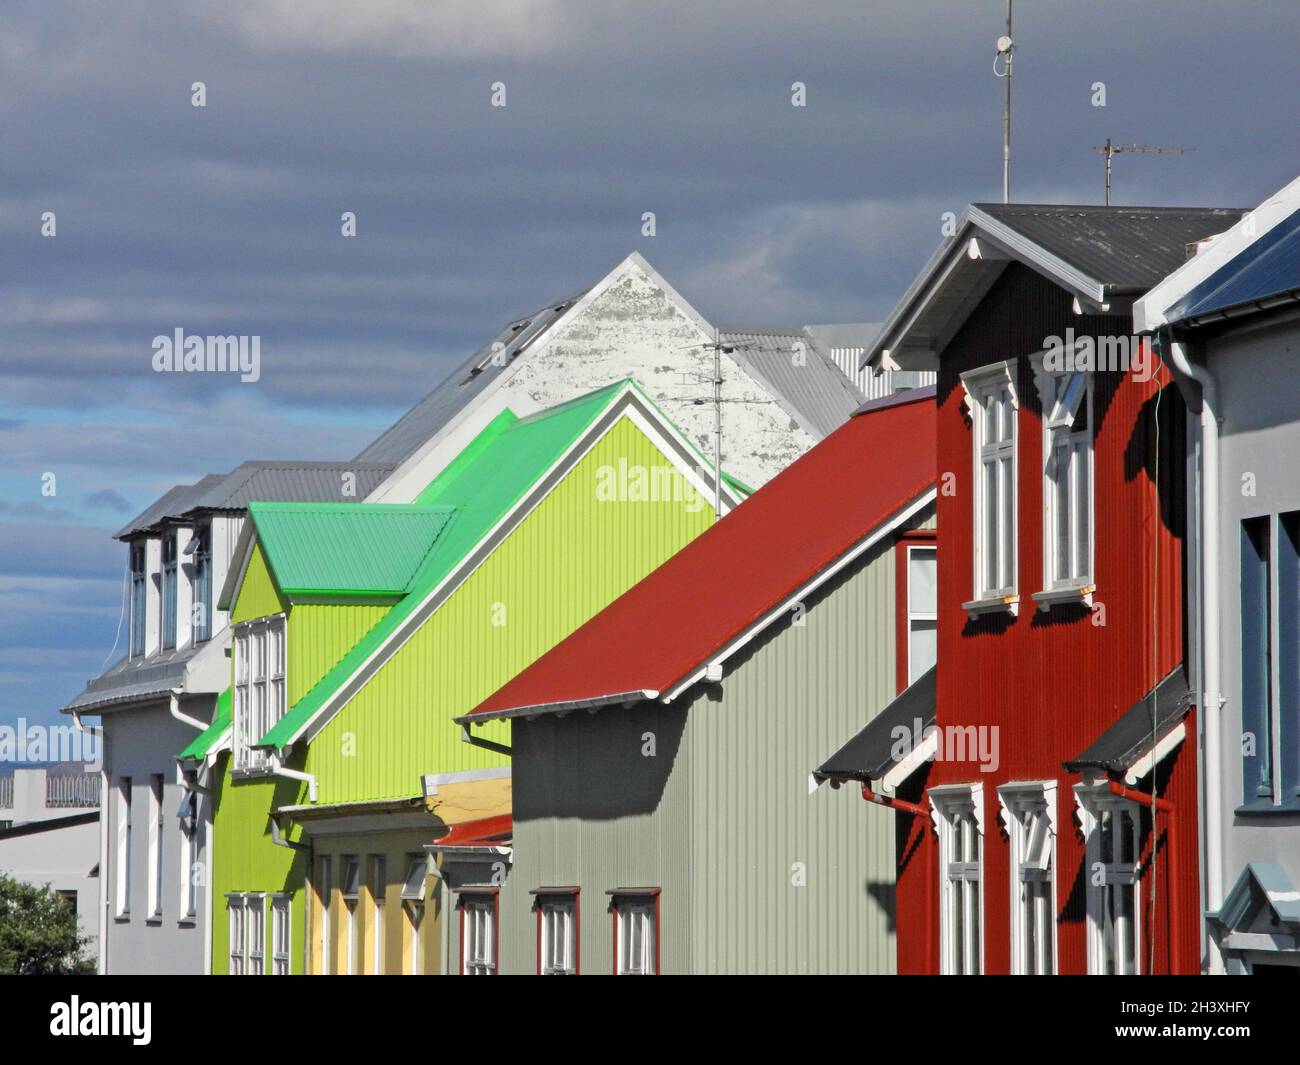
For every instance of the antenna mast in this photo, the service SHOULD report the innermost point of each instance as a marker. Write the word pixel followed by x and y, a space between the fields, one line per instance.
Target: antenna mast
pixel 1005 47
pixel 1108 150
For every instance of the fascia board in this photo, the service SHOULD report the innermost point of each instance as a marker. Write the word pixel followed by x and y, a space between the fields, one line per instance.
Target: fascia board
pixel 1061 272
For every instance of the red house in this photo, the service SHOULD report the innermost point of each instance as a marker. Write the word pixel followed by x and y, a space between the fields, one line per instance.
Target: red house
pixel 1044 780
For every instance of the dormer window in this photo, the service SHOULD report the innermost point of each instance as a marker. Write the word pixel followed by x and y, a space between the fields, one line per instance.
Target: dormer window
pixel 202 552
pixel 169 589
pixel 259 687
pixel 137 598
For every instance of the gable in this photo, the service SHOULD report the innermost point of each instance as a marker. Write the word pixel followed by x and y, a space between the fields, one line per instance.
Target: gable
pixel 259 595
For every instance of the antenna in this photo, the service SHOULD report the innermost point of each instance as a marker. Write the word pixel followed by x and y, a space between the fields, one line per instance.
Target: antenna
pixel 1108 149
pixel 1006 47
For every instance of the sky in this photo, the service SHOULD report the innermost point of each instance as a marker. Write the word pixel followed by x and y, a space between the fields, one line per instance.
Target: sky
pixel 226 218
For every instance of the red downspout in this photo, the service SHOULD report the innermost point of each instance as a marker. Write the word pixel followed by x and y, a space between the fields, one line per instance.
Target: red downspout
pixel 1164 806
pixel 916 810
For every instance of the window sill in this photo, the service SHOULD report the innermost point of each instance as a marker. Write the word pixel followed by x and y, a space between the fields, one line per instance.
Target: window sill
pixel 1064 596
pixel 156 922
pixel 1008 604
pixel 251 774
pixel 1268 808
pixel 122 918
pixel 187 922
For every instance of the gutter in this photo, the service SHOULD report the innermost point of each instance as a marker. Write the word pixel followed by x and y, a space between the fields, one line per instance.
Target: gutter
pixel 102 962
pixel 1210 696
pixel 278 770
pixel 1166 807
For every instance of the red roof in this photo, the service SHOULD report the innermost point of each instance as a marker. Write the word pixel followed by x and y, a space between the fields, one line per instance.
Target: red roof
pixel 483 832
pixel 680 616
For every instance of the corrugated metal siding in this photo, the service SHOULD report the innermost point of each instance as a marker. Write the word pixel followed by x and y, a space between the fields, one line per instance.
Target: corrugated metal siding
pixel 565 561
pixel 719 817
pixel 1051 682
pixel 319 635
pixel 258 596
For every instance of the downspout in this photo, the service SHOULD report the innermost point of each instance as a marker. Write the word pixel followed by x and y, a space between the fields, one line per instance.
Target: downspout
pixel 174 708
pixel 278 770
pixel 467 736
pixel 1166 807
pixel 1211 699
pixel 102 963
pixel 916 810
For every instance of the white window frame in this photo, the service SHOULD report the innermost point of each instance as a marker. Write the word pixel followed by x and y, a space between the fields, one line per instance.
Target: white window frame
pixel 1121 879
pixel 636 914
pixel 281 934
pixel 236 935
pixel 261 667
pixel 558 942
pixel 957 813
pixel 1056 424
pixel 123 907
pixel 169 586
pixel 981 385
pixel 201 583
pixel 1029 816
pixel 924 616
pixel 378 902
pixel 323 887
pixel 157 794
pixel 190 839
pixel 350 890
pixel 138 564
pixel 414 889
pixel 478 932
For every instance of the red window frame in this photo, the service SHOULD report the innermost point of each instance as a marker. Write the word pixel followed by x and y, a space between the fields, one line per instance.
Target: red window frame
pixel 541 895
pixel 635 895
pixel 904 540
pixel 495 893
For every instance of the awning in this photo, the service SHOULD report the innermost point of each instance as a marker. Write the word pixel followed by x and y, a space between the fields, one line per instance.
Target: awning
pixel 215 738
pixel 1260 883
pixel 872 752
pixel 1133 745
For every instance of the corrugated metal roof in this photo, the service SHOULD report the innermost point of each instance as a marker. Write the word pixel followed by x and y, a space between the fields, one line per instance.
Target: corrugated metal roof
pixel 348 548
pixel 210 737
pixel 1268 268
pixel 870 753
pixel 138 678
pixel 1126 249
pixel 171 502
pixel 462 385
pixel 735 573
pixel 813 391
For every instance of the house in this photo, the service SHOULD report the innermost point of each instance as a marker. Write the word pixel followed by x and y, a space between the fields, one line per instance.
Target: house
pixel 360 632
pixel 663 821
pixel 1226 323
pixel 1046 799
pixel 49 836
pixel 161 693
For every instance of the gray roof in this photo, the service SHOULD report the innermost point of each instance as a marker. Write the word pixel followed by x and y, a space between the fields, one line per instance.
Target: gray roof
pixel 1126 249
pixel 1134 734
pixel 869 754
pixel 815 392
pixel 462 385
pixel 269 481
pixel 129 679
pixel 845 334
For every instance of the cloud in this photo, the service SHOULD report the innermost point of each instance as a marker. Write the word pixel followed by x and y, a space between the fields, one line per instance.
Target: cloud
pixel 107 499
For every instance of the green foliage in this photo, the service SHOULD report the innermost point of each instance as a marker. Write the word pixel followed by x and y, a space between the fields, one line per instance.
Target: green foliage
pixel 38 933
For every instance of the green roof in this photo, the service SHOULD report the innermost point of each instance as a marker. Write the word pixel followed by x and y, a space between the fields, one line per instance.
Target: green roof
pixel 482 483
pixel 203 743
pixel 349 549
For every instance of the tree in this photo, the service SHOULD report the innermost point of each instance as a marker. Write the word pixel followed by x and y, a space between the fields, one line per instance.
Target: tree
pixel 38 933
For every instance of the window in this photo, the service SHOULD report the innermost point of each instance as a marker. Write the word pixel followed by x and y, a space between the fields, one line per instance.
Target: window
pixel 351 889
pixel 959 821
pixel 189 855
pixel 1112 829
pixel 280 935
pixel 922 610
pixel 413 905
pixel 1067 479
pixel 124 847
pixel 138 592
pixel 322 888
pixel 155 844
pixel 169 589
pixel 1030 815
pixel 259 687
pixel 202 583
pixel 246 932
pixel 378 887
pixel 557 931
pixel 992 402
pixel 1288 653
pixel 636 932
pixel 478 933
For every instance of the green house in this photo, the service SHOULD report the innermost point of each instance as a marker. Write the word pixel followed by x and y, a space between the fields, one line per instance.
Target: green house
pixel 362 630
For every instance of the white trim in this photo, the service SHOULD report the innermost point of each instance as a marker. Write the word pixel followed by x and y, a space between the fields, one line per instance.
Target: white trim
pixel 1091 799
pixel 431 782
pixel 946 803
pixel 1164 746
pixel 862 546
pixel 975 383
pixel 1015 799
pixel 920 754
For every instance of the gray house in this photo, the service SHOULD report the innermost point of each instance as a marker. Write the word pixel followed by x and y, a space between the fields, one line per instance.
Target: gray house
pixel 664 818
pixel 1228 321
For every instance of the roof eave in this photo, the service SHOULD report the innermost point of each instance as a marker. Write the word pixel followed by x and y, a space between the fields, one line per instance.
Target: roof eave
pixel 562 707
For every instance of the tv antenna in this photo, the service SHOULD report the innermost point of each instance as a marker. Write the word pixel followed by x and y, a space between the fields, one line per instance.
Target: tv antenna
pixel 1006 48
pixel 1108 150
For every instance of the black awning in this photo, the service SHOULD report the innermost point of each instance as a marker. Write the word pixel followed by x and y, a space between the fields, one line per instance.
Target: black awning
pixel 870 753
pixel 1133 735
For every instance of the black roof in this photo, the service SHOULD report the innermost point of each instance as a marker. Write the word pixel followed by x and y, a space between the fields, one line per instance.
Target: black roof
pixel 870 753
pixel 1126 249
pixel 1133 735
